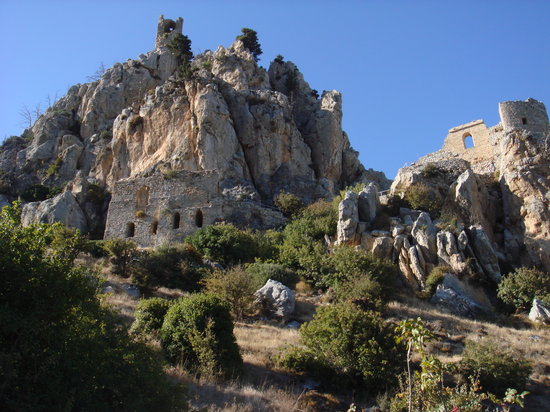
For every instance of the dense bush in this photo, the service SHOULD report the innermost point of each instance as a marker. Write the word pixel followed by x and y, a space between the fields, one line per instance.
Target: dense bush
pixel 347 263
pixel 262 272
pixel 173 266
pixel 496 367
pixel 346 347
pixel 198 333
pixel 421 196
pixel 520 287
pixel 303 247
pixel 249 38
pixel 435 277
pixel 224 243
pixel 59 348
pixel 363 291
pixel 122 252
pixel 38 193
pixel 149 315
pixel 291 205
pixel 236 287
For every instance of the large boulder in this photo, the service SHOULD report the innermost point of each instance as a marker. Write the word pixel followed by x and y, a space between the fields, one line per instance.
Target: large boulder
pixel 539 312
pixel 424 232
pixel 449 252
pixel 368 203
pixel 348 218
pixel 62 208
pixel 276 299
pixel 460 298
pixel 485 253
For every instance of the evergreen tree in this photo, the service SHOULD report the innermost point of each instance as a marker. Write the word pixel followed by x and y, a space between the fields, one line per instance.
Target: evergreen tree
pixel 249 38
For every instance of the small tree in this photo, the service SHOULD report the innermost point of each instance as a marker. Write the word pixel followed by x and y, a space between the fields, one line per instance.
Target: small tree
pixel 180 47
pixel 291 205
pixel 249 38
pixel 520 287
pixel 122 251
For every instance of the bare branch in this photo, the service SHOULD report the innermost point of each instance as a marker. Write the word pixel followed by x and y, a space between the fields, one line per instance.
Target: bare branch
pixel 98 73
pixel 26 116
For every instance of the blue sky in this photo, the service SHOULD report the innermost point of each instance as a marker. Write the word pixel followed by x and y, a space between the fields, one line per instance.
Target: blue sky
pixel 408 70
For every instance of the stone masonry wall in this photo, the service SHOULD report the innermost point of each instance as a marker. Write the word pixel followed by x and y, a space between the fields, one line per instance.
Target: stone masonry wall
pixel 529 115
pixel 479 132
pixel 156 210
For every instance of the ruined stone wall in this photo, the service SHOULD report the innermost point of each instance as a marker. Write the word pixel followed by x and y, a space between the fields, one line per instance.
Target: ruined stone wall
pixel 165 28
pixel 455 142
pixel 528 115
pixel 156 210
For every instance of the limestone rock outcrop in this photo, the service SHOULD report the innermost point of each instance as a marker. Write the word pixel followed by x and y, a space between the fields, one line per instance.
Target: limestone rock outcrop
pixel 265 130
pixel 276 299
pixel 62 208
pixel 539 312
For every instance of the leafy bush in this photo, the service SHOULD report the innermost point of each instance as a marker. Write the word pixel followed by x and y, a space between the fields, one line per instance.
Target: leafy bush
pixel 236 287
pixel 59 348
pixel 347 347
pixel 262 272
pixel 496 367
pixel 435 277
pixel 422 197
pixel 363 291
pixel 149 315
pixel 348 263
pixel 173 266
pixel 122 252
pixel 431 170
pixel 224 243
pixel 291 205
pixel 38 193
pixel 303 247
pixel 249 38
pixel 520 287
pixel 198 333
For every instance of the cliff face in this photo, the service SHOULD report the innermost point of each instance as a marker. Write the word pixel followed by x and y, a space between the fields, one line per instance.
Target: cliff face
pixel 263 130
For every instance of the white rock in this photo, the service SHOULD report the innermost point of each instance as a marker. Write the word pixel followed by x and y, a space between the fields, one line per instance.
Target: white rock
pixel 277 298
pixel 539 312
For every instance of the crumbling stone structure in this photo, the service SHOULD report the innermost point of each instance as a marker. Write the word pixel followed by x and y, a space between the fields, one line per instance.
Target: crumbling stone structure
pixel 472 141
pixel 158 209
pixel 165 30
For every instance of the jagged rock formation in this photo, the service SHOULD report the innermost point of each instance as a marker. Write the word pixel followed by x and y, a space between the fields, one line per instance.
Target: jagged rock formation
pixel 501 184
pixel 489 208
pixel 261 131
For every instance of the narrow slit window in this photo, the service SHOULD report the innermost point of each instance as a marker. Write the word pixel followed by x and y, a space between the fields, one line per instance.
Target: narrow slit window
pixel 176 220
pixel 524 120
pixel 198 218
pixel 154 227
pixel 130 229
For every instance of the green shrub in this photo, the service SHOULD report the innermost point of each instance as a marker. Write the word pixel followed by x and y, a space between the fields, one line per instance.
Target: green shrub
pixel 346 347
pixel 122 252
pixel 431 170
pixel 348 263
pixel 224 243
pixel 435 277
pixel 303 247
pixel 149 315
pixel 520 287
pixel 267 244
pixel 53 167
pixel 421 196
pixel 60 349
pixel 363 291
pixel 234 286
pixel 262 272
pixel 291 205
pixel 38 193
pixel 198 333
pixel 249 38
pixel 496 367
pixel 174 266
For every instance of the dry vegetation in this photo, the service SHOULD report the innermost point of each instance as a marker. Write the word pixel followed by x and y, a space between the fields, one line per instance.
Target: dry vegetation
pixel 266 387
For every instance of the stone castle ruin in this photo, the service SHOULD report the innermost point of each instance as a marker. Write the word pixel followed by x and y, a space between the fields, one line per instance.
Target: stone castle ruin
pixel 165 29
pixel 472 141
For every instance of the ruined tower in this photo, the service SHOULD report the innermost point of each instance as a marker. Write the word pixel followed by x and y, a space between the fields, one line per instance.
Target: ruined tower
pixel 166 28
pixel 527 114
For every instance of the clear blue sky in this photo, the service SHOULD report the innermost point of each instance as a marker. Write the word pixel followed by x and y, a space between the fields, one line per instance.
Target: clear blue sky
pixel 408 70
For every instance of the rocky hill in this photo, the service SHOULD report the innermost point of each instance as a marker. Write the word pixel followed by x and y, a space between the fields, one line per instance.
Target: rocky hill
pixel 259 131
pixel 478 212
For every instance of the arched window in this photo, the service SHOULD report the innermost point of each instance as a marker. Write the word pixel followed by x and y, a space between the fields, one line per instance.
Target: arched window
pixel 468 141
pixel 154 227
pixel 198 218
pixel 130 229
pixel 176 220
